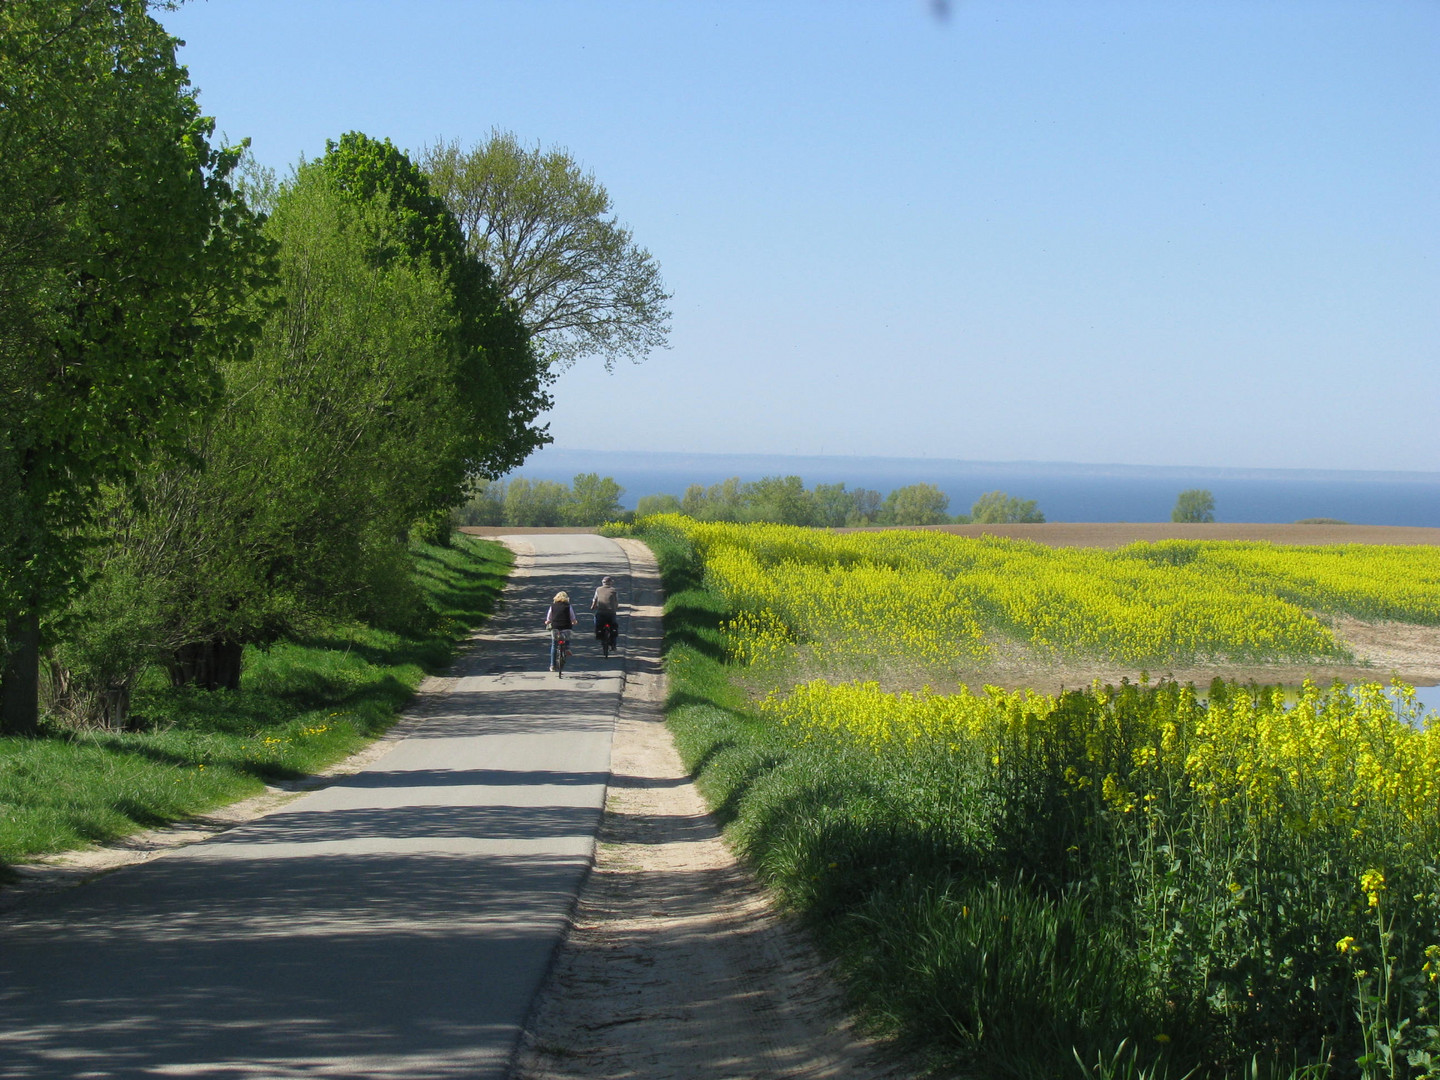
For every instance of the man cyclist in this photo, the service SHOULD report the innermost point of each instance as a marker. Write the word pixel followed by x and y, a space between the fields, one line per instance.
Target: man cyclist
pixel 606 605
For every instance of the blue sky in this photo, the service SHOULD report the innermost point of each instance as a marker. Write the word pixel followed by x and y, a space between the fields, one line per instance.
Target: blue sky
pixel 1162 233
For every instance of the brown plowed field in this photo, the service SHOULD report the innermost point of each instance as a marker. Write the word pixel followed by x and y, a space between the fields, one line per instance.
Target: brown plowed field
pixel 1116 534
pixel 526 530
pixel 1119 533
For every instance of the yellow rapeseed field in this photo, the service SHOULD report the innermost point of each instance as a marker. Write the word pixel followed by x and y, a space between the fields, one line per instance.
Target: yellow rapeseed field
pixel 933 597
pixel 1262 865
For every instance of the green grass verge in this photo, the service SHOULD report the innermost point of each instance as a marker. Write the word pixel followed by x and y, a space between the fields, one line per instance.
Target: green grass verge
pixel 303 705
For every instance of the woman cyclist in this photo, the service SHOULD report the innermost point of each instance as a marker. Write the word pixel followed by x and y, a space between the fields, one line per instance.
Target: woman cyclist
pixel 559 620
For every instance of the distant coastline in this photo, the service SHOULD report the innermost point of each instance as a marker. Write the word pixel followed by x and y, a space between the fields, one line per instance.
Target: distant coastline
pixel 1066 491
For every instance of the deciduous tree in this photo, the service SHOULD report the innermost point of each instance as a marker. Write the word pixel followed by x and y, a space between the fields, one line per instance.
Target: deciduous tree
pixel 499 376
pixel 917 504
pixel 997 508
pixel 781 499
pixel 594 500
pixel 124 258
pixel 535 504
pixel 1194 505
pixel 544 226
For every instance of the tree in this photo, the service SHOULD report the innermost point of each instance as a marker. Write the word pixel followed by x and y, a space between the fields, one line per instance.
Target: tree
pixel 345 428
pixel 500 377
pixel 724 501
pixel 594 500
pixel 917 504
pixel 867 507
pixel 485 504
pixel 1194 505
pixel 125 260
pixel 535 504
pixel 997 508
pixel 657 504
pixel 544 227
pixel 780 499
pixel 832 505
pixel 372 395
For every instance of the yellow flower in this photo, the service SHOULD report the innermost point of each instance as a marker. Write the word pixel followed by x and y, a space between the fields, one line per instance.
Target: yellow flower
pixel 1372 884
pixel 1432 962
pixel 1346 944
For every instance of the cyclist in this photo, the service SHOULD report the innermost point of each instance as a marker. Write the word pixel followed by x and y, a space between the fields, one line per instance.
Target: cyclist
pixel 606 605
pixel 559 620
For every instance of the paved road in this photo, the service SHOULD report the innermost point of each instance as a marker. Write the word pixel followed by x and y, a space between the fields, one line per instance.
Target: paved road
pixel 394 924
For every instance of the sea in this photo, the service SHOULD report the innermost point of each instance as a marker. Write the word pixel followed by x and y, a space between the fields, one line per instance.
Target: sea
pixel 1064 491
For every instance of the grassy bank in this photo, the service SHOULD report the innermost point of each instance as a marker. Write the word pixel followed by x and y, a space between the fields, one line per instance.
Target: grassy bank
pixel 1009 882
pixel 303 705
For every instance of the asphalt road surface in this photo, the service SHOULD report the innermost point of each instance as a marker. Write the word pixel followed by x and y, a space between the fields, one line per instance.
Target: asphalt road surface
pixel 396 923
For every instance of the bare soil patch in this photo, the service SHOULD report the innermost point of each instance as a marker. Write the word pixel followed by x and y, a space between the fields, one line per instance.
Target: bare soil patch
pixel 520 530
pixel 1117 534
pixel 1383 651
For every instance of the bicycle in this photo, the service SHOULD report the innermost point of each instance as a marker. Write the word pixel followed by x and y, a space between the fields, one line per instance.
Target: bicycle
pixel 607 633
pixel 562 650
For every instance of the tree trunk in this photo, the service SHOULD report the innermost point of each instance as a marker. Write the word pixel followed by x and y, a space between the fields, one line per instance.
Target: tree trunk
pixel 20 679
pixel 210 665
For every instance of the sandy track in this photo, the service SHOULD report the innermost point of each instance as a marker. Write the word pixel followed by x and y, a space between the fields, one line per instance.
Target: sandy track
pixel 676 964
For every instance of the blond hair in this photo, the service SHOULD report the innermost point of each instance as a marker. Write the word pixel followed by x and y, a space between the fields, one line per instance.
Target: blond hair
pixel 562 598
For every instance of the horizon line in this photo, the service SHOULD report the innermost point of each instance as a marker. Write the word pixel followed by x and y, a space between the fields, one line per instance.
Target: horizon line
pixel 1194 469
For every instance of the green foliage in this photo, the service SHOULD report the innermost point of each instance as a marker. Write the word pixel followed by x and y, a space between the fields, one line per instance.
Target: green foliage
pixel 1194 505
pixel 648 505
pixel 537 504
pixel 917 504
pixel 367 401
pixel 544 227
pixel 835 506
pixel 783 500
pixel 499 378
pixel 997 508
pixel 593 500
pixel 307 703
pixel 719 502
pixel 127 260
pixel 485 504
pixel 336 437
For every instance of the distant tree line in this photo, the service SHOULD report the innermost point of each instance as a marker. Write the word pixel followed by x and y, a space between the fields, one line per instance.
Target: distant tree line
pixel 591 500
pixel 783 500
